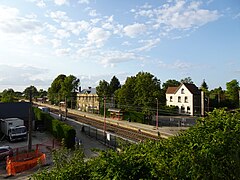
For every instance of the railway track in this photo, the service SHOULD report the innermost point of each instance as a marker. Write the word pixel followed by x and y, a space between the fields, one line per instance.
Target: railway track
pixel 132 134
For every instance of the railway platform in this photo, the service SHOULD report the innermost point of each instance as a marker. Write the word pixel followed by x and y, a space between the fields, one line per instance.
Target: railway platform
pixel 161 131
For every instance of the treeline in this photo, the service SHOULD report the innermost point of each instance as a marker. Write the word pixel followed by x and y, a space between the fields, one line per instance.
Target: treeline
pixel 209 150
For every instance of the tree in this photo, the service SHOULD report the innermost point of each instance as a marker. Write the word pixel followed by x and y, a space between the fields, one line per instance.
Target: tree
pixel 125 95
pixel 232 92
pixel 103 89
pixel 114 85
pixel 31 89
pixel 42 93
pixel 8 95
pixel 204 86
pixel 63 86
pixel 141 91
pixel 187 80
pixel 170 83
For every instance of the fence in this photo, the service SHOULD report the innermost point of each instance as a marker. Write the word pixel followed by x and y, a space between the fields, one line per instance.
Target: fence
pixel 109 139
pixel 23 160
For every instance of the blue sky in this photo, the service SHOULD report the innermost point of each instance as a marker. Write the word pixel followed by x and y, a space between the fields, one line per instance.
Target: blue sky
pixel 97 39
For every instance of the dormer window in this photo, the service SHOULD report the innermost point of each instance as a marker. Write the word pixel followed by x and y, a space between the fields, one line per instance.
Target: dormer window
pixel 182 91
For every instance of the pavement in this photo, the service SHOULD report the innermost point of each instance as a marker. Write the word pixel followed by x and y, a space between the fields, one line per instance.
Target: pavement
pixel 45 138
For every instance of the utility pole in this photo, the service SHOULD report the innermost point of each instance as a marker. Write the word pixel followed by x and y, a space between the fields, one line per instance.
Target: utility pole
pixel 157 115
pixel 104 114
pixel 65 107
pixel 202 103
pixel 30 123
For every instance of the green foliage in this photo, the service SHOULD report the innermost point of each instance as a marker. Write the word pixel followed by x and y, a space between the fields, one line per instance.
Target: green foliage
pixel 187 80
pixel 114 85
pixel 67 164
pixel 63 86
pixel 210 150
pixel 141 92
pixel 170 83
pixel 204 86
pixel 103 89
pixel 31 89
pixel 8 95
pixel 233 92
pixel 59 129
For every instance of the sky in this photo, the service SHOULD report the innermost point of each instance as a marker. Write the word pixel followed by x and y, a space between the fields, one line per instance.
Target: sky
pixel 98 39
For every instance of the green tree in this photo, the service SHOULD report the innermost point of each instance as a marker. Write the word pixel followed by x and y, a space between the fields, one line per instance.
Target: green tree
pixel 103 89
pixel 125 95
pixel 8 95
pixel 42 93
pixel 232 92
pixel 114 85
pixel 53 91
pixel 204 86
pixel 63 87
pixel 170 83
pixel 187 80
pixel 67 164
pixel 31 89
pixel 140 92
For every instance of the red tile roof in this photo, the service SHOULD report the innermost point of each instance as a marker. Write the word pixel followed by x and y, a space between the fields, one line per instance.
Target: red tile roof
pixel 171 90
pixel 191 87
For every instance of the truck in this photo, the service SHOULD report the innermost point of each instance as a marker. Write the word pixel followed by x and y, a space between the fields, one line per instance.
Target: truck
pixel 14 129
pixel 44 109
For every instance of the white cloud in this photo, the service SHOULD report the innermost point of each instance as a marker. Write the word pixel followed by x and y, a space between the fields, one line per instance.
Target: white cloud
pixel 111 58
pixel 93 13
pixel 58 16
pixel 39 39
pixel 56 43
pixel 148 45
pixel 60 2
pixel 12 22
pixel 134 29
pixel 98 37
pixel 83 1
pixel 27 75
pixel 86 51
pixel 61 34
pixel 62 52
pixel 39 3
pixel 178 15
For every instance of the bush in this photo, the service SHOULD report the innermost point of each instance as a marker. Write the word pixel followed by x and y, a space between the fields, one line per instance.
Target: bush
pixel 57 128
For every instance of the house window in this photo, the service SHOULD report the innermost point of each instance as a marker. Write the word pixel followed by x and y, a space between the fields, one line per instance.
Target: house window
pixel 182 109
pixel 182 91
pixel 179 98
pixel 188 109
pixel 171 98
pixel 186 99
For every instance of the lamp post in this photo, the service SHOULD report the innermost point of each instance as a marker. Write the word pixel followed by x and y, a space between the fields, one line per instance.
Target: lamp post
pixel 157 115
pixel 104 114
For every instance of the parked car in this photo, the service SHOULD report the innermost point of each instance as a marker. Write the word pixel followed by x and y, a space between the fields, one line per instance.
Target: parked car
pixel 5 151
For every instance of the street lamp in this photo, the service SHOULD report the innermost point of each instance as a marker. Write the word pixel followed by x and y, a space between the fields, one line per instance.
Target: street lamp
pixel 157 115
pixel 104 114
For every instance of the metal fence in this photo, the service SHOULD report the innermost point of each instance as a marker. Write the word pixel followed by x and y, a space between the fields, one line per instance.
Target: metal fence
pixel 107 138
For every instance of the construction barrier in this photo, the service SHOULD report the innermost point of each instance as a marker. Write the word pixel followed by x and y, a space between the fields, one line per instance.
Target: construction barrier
pixel 24 162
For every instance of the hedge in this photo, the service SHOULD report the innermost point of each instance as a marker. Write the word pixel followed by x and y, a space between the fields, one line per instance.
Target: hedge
pixel 57 128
